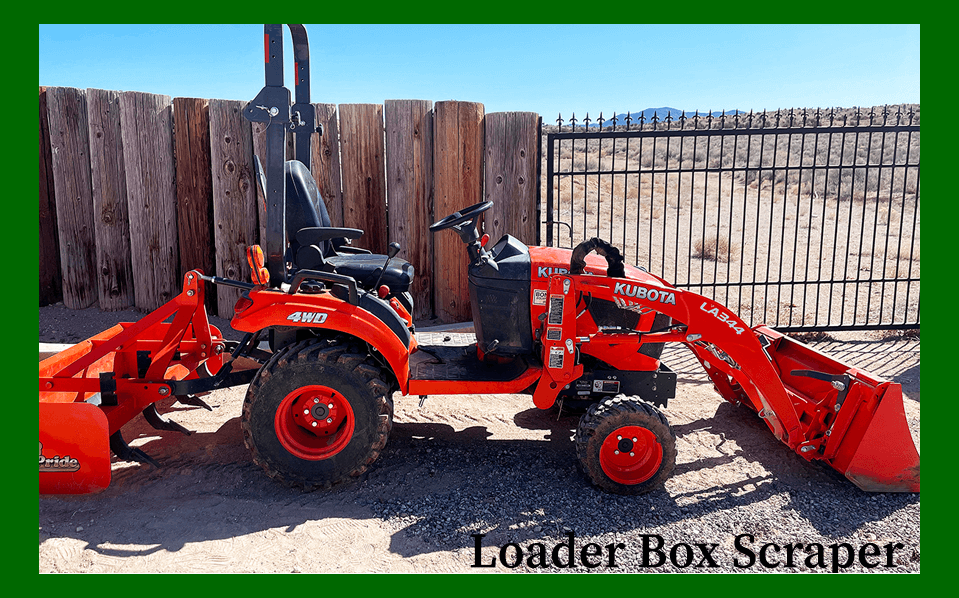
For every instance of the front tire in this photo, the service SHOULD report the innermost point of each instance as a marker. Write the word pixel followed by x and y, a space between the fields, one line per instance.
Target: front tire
pixel 317 413
pixel 625 446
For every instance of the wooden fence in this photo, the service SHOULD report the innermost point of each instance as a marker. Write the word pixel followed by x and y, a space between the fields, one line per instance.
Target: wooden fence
pixel 136 189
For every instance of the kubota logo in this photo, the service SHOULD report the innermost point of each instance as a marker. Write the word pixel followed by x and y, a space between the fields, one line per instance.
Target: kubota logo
pixel 640 292
pixel 545 271
pixel 58 463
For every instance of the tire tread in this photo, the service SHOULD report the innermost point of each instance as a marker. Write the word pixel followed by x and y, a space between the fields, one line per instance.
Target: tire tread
pixel 622 410
pixel 336 353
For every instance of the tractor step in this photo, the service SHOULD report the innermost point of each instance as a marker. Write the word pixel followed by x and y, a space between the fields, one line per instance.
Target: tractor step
pixel 452 356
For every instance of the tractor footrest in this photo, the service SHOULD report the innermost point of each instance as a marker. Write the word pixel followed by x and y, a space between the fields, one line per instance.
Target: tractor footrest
pixel 452 356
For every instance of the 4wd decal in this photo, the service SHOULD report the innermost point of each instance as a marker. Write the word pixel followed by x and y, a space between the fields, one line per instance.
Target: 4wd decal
pixel 58 463
pixel 641 292
pixel 307 317
pixel 725 318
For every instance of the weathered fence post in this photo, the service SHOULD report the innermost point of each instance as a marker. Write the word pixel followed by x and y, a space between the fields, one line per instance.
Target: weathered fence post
pixel 457 183
pixel 409 166
pixel 404 164
pixel 70 153
pixel 50 280
pixel 364 175
pixel 194 188
pixel 234 196
pixel 108 178
pixel 512 175
pixel 147 127
pixel 325 161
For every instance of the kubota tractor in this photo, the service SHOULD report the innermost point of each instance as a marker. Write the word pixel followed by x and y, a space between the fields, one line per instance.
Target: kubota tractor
pixel 577 326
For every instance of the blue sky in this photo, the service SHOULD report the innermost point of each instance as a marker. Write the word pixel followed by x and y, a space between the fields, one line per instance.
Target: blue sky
pixel 549 69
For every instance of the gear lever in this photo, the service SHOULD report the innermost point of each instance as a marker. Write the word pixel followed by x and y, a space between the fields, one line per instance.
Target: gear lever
pixel 390 254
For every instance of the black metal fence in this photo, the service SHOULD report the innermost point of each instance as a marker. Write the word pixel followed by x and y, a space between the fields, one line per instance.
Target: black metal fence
pixel 803 220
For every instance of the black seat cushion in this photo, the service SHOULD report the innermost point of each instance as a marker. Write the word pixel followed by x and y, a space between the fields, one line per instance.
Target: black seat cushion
pixel 305 208
pixel 365 269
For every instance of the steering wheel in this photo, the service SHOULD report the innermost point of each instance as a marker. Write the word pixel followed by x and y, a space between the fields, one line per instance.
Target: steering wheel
pixel 464 215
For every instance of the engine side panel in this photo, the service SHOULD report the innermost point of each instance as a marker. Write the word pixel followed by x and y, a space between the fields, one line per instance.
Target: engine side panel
pixel 546 261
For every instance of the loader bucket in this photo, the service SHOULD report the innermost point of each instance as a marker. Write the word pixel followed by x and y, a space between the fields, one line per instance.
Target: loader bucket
pixel 885 458
pixel 850 418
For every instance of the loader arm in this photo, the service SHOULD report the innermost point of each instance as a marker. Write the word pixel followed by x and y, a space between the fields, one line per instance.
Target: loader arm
pixel 819 407
pixel 731 353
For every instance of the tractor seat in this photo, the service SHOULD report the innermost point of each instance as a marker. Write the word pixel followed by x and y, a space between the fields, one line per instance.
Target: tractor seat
pixel 313 248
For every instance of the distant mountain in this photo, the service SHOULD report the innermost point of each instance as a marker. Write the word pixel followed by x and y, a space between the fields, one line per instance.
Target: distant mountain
pixel 659 113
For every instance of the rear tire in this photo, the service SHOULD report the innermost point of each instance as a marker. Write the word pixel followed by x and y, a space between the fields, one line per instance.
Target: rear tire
pixel 625 446
pixel 317 413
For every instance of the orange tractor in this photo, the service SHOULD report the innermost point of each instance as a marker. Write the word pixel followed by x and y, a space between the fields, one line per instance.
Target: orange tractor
pixel 329 339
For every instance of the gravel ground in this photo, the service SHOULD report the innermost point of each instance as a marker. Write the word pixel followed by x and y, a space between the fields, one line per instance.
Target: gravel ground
pixel 493 465
pixel 732 479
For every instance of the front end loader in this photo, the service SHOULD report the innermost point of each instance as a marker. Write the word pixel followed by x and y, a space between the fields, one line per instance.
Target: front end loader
pixel 329 339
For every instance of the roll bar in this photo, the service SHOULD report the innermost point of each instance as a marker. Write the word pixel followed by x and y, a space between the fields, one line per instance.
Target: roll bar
pixel 273 106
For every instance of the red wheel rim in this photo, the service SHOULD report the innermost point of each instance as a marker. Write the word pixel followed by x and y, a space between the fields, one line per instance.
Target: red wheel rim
pixel 631 455
pixel 314 422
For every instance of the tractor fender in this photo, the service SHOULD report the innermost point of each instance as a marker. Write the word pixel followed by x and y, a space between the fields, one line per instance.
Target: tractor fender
pixel 370 321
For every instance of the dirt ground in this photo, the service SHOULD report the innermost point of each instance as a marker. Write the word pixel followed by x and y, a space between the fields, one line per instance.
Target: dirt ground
pixel 450 468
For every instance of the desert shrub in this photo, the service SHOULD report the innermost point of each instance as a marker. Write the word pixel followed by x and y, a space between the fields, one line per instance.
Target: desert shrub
pixel 714 249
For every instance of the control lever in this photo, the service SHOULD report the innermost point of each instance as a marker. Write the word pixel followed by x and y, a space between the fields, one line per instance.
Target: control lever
pixel 390 254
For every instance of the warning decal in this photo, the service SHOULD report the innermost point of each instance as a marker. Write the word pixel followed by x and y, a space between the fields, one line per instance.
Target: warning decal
pixel 556 355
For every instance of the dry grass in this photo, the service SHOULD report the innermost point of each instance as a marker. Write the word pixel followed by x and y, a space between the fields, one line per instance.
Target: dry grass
pixel 811 337
pixel 715 249
pixel 890 335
